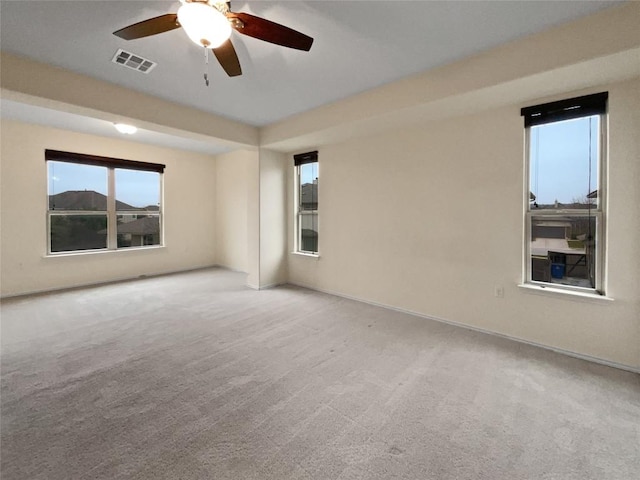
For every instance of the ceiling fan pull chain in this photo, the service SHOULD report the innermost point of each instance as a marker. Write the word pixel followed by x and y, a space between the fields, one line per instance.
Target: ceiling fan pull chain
pixel 206 66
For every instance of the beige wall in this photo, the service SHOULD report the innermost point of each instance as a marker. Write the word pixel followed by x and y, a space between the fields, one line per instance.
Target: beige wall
pixel 232 209
pixel 189 214
pixel 251 215
pixel 273 218
pixel 429 219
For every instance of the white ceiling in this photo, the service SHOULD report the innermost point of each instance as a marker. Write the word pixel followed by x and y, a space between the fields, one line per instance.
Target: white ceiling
pixel 358 45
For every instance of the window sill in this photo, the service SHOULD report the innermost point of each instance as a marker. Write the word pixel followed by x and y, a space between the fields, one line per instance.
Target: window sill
pixel 309 255
pixel 568 294
pixel 103 252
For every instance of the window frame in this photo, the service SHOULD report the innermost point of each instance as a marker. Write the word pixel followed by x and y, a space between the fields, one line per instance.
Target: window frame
pixel 598 211
pixel 111 213
pixel 299 161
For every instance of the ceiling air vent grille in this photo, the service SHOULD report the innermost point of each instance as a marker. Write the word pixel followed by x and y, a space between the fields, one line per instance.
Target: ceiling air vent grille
pixel 133 61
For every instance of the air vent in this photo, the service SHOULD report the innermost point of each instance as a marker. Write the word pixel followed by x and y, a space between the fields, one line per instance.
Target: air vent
pixel 133 61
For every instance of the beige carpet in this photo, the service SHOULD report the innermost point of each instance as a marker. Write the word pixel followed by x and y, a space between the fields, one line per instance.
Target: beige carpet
pixel 194 376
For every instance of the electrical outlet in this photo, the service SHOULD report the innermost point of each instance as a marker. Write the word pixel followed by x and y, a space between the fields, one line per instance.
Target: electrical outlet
pixel 498 291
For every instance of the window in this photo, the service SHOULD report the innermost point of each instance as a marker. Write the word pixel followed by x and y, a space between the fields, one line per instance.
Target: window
pixel 98 203
pixel 564 217
pixel 306 166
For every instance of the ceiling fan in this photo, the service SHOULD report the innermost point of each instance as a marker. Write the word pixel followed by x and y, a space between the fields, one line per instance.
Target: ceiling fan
pixel 209 24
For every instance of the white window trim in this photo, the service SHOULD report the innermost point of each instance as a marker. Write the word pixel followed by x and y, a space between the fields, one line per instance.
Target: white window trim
pixel 550 290
pixel 103 251
pixel 112 220
pixel 112 217
pixel 307 255
pixel 297 241
pixel 600 274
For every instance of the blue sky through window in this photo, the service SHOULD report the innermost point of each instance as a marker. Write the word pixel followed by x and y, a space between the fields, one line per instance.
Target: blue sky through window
pixel 563 160
pixel 65 176
pixel 308 172
pixel 136 188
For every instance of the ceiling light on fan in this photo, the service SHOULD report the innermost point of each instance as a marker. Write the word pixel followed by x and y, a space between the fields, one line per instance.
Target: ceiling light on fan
pixel 206 26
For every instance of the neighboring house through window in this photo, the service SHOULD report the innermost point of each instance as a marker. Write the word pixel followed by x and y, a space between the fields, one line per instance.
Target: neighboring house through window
pixel 564 217
pixel 306 228
pixel 98 203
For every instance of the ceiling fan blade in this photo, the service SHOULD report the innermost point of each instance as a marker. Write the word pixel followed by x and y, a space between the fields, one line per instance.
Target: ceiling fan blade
pixel 272 32
pixel 152 26
pixel 228 58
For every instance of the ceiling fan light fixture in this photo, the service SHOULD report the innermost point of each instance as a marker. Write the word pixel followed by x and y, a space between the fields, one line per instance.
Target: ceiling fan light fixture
pixel 204 24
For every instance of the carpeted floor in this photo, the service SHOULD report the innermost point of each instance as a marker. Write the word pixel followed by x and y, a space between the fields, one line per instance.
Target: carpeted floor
pixel 194 376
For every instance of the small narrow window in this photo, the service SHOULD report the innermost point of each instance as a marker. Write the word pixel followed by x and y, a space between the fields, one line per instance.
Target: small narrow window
pixel 306 220
pixel 564 217
pixel 100 203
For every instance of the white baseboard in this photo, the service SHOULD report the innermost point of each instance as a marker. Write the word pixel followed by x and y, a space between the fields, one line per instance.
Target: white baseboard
pixel 569 353
pixel 272 285
pixel 265 287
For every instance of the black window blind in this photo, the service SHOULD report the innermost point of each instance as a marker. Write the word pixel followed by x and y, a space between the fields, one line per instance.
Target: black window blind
pixel 584 106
